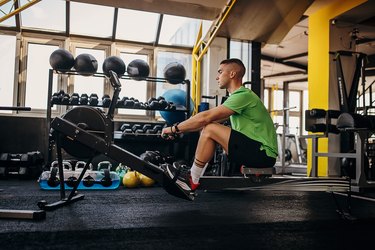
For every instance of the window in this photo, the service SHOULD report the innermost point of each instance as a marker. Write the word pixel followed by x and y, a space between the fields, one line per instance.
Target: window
pixel 295 100
pixel 91 20
pixel 135 25
pixel 133 88
pixel 178 30
pixel 165 57
pixel 4 10
pixel 265 98
pixel 294 125
pixel 242 51
pixel 86 84
pixel 7 62
pixel 278 100
pixel 37 75
pixel 48 15
pixel 305 106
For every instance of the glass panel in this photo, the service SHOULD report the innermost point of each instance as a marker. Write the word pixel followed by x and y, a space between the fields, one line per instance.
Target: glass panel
pixel 163 58
pixel 246 59
pixel 6 9
pixel 48 15
pixel 92 20
pixel 7 63
pixel 90 85
pixel 294 101
pixel 294 125
pixel 235 49
pixel 278 100
pixel 242 51
pixel 133 88
pixel 278 121
pixel 305 102
pixel 177 30
pixel 135 25
pixel 265 98
pixel 37 75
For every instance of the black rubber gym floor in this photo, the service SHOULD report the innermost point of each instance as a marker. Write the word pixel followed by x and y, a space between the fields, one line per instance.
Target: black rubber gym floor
pixel 149 218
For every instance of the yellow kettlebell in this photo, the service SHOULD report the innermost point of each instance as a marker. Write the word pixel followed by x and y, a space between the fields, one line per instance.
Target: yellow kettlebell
pixel 146 181
pixel 131 179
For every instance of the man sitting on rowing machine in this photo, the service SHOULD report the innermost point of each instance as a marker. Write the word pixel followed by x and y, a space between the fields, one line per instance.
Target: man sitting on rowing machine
pixel 250 141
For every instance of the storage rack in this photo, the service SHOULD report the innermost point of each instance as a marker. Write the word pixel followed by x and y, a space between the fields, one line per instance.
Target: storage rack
pixel 186 110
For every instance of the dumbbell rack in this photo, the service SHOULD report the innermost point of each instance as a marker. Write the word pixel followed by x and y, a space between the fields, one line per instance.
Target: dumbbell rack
pixel 100 104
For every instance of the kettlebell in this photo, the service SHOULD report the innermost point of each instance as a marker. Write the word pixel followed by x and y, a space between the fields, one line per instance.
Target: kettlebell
pixel 146 181
pixel 131 179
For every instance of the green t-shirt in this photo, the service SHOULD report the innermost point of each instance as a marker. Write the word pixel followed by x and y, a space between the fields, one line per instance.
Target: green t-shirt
pixel 252 119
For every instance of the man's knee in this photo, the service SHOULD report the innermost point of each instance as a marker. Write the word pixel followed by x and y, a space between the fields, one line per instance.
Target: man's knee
pixel 215 131
pixel 209 130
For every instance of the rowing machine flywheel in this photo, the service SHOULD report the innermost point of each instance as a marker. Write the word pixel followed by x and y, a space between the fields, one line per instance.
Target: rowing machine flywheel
pixel 90 119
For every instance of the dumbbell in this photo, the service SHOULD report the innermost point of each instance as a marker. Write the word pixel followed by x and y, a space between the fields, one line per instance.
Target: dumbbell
pixel 120 103
pixel 170 106
pixel 155 130
pixel 93 100
pixel 163 104
pixel 74 99
pixel 146 128
pixel 129 103
pixel 65 99
pixel 84 99
pixel 88 181
pixel 71 181
pixel 53 180
pixel 135 127
pixel 137 104
pixel 106 181
pixel 106 100
pixel 125 126
pixel 57 97
pixel 154 104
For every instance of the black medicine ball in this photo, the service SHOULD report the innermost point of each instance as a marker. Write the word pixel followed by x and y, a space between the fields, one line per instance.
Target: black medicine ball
pixel 174 72
pixel 61 60
pixel 138 69
pixel 115 64
pixel 86 64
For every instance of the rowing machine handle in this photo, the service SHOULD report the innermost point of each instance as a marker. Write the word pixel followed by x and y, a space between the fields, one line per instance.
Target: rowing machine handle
pixel 113 78
pixel 115 82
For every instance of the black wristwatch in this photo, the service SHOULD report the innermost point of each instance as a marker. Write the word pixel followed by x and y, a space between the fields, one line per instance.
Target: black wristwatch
pixel 176 128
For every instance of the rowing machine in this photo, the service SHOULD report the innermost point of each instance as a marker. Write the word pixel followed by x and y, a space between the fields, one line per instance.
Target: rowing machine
pixel 85 132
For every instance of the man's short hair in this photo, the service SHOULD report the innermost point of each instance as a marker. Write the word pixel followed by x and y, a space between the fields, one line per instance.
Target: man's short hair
pixel 236 61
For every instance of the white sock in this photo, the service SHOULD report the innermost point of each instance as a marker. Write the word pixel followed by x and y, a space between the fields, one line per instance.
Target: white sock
pixel 196 172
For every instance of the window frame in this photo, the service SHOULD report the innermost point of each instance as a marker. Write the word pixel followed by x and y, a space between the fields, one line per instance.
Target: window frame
pixel 22 76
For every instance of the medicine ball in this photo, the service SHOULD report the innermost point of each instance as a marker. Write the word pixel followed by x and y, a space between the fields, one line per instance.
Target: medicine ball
pixel 115 64
pixel 61 60
pixel 174 72
pixel 86 64
pixel 178 98
pixel 138 69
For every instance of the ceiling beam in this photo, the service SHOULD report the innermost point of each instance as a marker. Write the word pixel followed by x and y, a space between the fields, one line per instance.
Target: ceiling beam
pixel 287 58
pixel 290 73
pixel 279 60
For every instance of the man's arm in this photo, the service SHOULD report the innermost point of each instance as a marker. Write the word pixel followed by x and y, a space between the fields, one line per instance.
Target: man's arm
pixel 201 119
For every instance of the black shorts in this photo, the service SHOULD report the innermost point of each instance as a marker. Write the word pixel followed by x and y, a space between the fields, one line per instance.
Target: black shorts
pixel 245 151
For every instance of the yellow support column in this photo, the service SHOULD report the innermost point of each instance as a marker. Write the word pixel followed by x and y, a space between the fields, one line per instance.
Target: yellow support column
pixel 318 66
